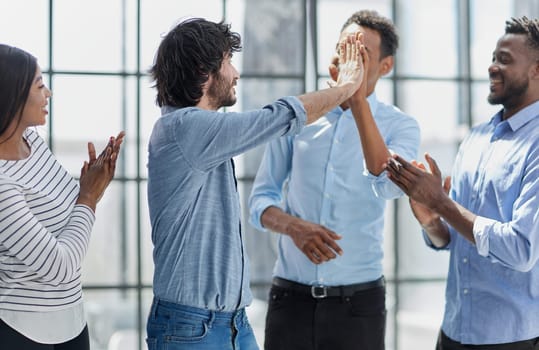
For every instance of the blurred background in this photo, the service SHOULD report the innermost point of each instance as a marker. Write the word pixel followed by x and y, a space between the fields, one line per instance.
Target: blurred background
pixel 95 56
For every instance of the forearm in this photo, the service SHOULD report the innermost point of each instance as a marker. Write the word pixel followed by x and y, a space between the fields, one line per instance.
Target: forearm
pixel 275 219
pixel 318 103
pixel 438 233
pixel 375 150
pixel 460 218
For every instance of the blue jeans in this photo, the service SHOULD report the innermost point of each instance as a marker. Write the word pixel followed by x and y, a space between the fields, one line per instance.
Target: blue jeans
pixel 173 326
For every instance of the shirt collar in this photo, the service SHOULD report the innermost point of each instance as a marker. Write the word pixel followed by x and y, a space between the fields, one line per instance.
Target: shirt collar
pixel 519 119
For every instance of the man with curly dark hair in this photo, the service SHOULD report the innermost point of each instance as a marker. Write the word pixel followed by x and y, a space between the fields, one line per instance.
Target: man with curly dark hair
pixel 325 190
pixel 201 277
pixel 489 218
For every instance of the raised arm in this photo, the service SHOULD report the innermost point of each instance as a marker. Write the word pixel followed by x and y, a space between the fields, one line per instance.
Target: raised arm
pixel 351 72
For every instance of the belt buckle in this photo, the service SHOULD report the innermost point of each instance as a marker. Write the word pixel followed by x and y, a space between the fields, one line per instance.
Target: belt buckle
pixel 319 292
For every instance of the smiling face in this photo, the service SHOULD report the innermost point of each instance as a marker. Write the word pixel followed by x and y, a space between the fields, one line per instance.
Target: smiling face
pixel 35 109
pixel 513 65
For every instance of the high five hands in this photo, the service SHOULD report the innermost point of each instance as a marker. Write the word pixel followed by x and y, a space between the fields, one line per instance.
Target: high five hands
pixel 347 66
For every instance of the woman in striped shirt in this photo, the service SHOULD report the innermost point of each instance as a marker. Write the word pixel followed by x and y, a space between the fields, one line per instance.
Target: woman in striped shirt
pixel 46 217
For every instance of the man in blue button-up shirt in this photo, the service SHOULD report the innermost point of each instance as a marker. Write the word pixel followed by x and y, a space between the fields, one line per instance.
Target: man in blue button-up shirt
pixel 490 220
pixel 328 290
pixel 201 280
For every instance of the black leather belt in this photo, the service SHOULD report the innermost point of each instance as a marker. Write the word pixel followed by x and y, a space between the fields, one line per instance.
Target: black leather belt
pixel 321 291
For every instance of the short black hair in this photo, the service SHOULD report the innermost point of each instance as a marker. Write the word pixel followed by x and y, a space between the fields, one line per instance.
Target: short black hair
pixel 17 71
pixel 384 26
pixel 527 27
pixel 192 51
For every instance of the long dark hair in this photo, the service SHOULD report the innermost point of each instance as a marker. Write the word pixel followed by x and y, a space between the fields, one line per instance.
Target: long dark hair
pixel 17 72
pixel 187 56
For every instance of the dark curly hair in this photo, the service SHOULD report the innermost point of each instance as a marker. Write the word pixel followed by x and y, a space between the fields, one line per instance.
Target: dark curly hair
pixel 187 56
pixel 384 26
pixel 525 26
pixel 17 72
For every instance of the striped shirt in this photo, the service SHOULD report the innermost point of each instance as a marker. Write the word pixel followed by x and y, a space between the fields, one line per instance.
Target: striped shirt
pixel 43 234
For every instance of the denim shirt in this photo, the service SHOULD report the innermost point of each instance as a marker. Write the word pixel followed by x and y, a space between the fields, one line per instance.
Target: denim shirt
pixel 492 293
pixel 199 251
pixel 326 181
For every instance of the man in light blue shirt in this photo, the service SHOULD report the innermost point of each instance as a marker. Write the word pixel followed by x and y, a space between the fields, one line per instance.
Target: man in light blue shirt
pixel 490 221
pixel 201 280
pixel 328 291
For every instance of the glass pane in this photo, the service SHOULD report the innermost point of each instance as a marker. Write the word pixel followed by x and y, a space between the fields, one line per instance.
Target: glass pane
pixel 278 48
pixel 159 16
pixel 107 258
pixel 112 318
pixel 88 42
pixel 146 258
pixel 421 307
pixel 481 109
pixel 331 15
pixel 390 318
pixel 417 260
pixel 85 108
pixel 25 24
pixel 487 25
pixel 149 113
pixel 421 53
pixel 267 91
pixel 434 105
pixel 112 255
pixel 389 241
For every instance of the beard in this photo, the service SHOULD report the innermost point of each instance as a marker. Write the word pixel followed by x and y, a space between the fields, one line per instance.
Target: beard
pixel 511 94
pixel 221 92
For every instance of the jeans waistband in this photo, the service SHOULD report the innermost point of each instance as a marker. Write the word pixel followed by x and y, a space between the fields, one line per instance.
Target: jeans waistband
pixel 175 310
pixel 321 291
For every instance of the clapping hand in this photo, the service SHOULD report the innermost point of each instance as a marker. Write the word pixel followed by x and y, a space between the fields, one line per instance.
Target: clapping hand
pixel 98 171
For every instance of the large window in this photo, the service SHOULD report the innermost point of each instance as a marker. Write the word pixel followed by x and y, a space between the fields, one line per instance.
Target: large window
pixel 95 56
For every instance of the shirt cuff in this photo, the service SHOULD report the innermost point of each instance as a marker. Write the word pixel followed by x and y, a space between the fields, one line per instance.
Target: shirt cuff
pixel 256 213
pixel 481 234
pixel 429 243
pixel 300 113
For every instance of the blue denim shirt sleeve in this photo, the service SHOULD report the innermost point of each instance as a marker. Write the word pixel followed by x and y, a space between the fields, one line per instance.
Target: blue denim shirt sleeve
pixel 515 243
pixel 208 138
pixel 272 174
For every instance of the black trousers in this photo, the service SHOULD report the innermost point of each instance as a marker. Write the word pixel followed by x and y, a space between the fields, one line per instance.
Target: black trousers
pixel 446 343
pixel 297 321
pixel 10 339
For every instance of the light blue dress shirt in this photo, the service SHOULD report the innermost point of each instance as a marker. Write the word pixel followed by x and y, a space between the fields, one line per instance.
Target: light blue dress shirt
pixel 199 251
pixel 328 183
pixel 492 293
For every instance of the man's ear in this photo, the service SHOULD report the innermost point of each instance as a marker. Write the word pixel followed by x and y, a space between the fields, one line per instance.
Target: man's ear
pixel 386 65
pixel 535 70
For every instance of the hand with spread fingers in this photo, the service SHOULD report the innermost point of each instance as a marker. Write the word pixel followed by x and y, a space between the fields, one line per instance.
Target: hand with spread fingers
pixel 348 65
pixel 420 185
pixel 97 172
